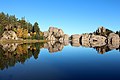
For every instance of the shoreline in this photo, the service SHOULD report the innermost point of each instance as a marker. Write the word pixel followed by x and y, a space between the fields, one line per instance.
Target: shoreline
pixel 23 41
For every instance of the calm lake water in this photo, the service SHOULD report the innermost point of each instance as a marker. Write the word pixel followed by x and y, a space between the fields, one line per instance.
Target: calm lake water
pixel 34 62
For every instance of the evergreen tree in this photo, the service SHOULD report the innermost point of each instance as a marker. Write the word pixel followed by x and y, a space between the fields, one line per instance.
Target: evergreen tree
pixel 37 30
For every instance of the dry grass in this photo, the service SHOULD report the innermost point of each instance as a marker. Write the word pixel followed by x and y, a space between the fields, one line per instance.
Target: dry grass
pixel 22 41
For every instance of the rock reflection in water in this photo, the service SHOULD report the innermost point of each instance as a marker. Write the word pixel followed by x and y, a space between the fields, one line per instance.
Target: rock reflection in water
pixel 10 54
pixel 54 46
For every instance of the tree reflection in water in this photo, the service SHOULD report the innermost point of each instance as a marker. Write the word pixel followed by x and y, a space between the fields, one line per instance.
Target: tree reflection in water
pixel 13 53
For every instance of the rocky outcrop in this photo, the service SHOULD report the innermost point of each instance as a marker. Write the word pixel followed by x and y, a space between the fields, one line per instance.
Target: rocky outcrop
pixel 64 38
pixel 75 40
pixel 9 35
pixel 113 41
pixel 87 40
pixel 96 40
pixel 55 34
pixel 102 40
pixel 101 29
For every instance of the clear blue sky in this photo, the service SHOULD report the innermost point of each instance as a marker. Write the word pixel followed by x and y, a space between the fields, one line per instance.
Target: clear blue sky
pixel 73 16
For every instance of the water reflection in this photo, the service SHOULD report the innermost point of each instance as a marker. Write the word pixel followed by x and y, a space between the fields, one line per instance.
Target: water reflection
pixel 14 53
pixel 18 53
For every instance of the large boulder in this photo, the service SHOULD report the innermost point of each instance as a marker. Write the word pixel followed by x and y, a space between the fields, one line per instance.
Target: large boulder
pixel 55 31
pixel 85 40
pixel 96 40
pixel 113 41
pixel 61 39
pixel 51 29
pixel 52 38
pixel 75 37
pixel 9 35
pixel 60 33
pixel 64 40
pixel 66 37
pixel 55 34
pixel 101 29
pixel 46 34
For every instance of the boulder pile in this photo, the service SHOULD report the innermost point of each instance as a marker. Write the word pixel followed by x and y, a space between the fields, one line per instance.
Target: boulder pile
pixel 56 34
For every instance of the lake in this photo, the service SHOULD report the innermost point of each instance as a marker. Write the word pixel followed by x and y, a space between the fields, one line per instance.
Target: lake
pixel 40 62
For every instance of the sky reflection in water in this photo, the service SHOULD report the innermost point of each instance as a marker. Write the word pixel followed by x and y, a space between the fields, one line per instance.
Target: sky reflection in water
pixel 70 63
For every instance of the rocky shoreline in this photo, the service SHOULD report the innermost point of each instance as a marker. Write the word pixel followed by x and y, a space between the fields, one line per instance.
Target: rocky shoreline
pixel 101 37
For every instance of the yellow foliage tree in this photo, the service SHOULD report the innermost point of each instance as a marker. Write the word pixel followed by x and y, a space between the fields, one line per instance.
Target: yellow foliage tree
pixel 20 32
pixel 25 33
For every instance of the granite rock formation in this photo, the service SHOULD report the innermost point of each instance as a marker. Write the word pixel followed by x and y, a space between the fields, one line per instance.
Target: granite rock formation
pixel 9 35
pixel 102 40
pixel 56 34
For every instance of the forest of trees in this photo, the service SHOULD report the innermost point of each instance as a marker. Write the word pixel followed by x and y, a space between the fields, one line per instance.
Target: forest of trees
pixel 21 27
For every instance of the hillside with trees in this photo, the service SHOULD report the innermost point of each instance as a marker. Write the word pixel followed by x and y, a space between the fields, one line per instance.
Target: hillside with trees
pixel 22 28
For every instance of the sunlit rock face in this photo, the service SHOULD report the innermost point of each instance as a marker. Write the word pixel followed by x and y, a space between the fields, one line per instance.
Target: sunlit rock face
pixel 56 34
pixel 64 38
pixel 101 29
pixel 57 39
pixel 113 41
pixel 9 35
pixel 96 40
pixel 85 40
pixel 75 40
pixel 75 37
